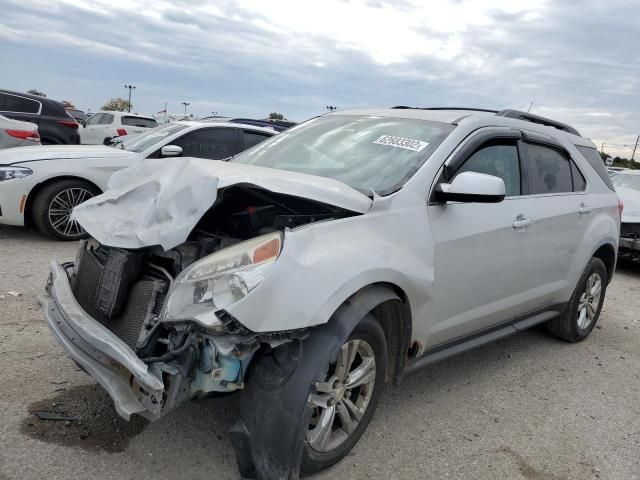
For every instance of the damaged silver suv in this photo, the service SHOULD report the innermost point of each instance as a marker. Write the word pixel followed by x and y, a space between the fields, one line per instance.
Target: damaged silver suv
pixel 339 255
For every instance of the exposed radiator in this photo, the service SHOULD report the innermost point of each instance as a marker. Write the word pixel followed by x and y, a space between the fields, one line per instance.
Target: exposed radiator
pixel 145 298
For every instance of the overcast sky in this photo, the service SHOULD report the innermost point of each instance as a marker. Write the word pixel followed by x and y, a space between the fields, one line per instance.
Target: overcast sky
pixel 578 61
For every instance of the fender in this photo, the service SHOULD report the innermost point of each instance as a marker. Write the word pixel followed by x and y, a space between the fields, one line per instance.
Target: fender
pixel 274 402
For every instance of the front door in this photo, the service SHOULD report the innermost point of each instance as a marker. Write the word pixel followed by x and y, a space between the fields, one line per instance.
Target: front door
pixel 481 276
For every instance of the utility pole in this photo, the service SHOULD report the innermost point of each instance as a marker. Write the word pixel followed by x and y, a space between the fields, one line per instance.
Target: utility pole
pixel 130 87
pixel 635 147
pixel 186 104
pixel 602 147
pixel 530 105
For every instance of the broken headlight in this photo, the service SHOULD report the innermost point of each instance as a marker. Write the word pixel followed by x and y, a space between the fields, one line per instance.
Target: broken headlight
pixel 221 279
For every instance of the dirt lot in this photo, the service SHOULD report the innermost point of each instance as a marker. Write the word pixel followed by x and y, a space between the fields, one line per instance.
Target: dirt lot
pixel 526 407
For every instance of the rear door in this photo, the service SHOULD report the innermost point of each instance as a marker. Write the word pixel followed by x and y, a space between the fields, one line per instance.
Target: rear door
pixel 560 214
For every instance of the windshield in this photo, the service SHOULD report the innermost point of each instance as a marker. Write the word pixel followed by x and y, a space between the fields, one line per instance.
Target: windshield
pixel 140 143
pixel 626 181
pixel 365 152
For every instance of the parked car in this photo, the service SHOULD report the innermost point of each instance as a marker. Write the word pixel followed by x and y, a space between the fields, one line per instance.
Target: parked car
pixel 78 115
pixel 627 184
pixel 39 186
pixel 101 127
pixel 277 125
pixel 14 133
pixel 342 254
pixel 55 125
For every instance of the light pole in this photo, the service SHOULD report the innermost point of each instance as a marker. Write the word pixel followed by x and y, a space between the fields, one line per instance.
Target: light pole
pixel 332 108
pixel 186 104
pixel 215 114
pixel 130 87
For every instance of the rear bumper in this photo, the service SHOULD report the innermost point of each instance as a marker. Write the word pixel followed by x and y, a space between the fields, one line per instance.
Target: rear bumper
pixel 134 386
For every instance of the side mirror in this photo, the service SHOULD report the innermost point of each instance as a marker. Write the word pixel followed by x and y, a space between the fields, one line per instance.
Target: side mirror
pixel 171 151
pixel 471 187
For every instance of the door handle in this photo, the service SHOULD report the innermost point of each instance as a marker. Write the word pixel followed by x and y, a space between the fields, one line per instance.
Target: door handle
pixel 522 222
pixel 584 209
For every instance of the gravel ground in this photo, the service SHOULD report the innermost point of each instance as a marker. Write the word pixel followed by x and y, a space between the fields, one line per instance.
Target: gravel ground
pixel 529 406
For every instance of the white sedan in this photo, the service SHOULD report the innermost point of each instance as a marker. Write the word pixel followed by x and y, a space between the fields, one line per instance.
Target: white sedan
pixel 103 126
pixel 14 133
pixel 40 185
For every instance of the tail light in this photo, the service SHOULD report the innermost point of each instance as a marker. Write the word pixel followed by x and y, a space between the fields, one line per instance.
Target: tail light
pixel 620 207
pixel 68 123
pixel 121 131
pixel 24 135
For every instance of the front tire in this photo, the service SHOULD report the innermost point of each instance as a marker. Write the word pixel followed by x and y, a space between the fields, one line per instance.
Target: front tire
pixel 583 310
pixel 345 398
pixel 52 208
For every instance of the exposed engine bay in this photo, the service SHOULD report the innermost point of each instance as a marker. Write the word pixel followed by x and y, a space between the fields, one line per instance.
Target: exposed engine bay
pixel 128 291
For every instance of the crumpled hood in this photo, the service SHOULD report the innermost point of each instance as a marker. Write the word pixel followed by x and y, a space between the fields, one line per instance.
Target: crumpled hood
pixel 50 152
pixel 159 202
pixel 631 200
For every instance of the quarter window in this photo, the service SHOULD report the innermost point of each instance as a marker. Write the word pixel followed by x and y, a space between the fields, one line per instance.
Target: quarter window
pixel 579 183
pixel 549 170
pixel 497 159
pixel 212 143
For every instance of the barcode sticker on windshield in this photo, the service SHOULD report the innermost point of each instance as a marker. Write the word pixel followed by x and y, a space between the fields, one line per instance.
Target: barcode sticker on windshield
pixel 401 142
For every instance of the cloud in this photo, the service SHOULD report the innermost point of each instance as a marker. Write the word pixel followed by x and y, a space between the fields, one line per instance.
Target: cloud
pixel 576 61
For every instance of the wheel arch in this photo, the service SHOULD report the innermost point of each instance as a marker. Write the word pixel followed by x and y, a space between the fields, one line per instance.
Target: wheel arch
pixel 389 305
pixel 28 206
pixel 607 253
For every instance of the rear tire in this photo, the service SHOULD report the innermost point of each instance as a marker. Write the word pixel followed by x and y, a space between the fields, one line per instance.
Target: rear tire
pixel 52 207
pixel 356 404
pixel 583 310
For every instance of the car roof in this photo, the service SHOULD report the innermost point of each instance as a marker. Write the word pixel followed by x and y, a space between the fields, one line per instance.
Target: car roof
pixel 456 116
pixel 124 114
pixel 208 124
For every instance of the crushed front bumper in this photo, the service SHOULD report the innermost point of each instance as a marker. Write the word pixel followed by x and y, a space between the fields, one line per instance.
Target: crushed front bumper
pixel 134 386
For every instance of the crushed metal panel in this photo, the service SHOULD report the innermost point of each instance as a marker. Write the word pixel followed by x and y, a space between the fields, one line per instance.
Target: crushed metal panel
pixel 159 202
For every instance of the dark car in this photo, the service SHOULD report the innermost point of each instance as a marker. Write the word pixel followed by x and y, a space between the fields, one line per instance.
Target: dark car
pixel 78 115
pixel 55 125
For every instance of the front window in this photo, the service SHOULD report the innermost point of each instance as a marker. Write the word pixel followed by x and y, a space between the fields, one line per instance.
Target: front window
pixel 365 152
pixel 152 138
pixel 627 181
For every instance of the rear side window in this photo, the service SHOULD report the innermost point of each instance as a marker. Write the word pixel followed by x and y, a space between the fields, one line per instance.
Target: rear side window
pixel 94 119
pixel 12 103
pixel 139 122
pixel 249 138
pixel 594 159
pixel 549 170
pixel 497 159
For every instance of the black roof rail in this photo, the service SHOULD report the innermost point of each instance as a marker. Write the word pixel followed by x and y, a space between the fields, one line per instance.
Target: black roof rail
pixel 471 109
pixel 530 117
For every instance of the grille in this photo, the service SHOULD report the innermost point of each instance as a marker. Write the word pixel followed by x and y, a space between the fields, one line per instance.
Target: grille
pixel 630 230
pixel 145 298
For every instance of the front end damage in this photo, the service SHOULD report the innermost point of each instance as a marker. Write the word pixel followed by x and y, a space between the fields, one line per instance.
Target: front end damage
pixel 150 324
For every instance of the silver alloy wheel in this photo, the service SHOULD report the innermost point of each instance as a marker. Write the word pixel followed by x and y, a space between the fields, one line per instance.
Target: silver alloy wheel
pixel 60 211
pixel 340 401
pixel 589 301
